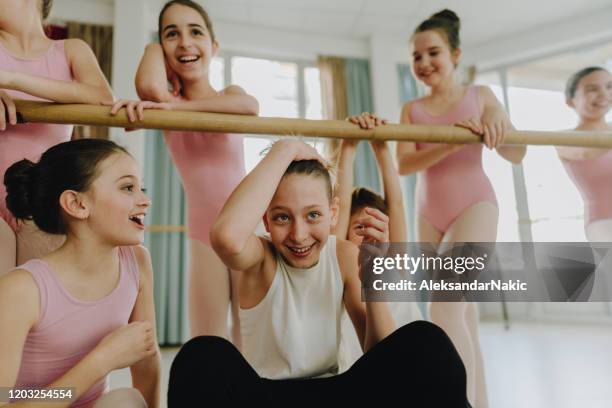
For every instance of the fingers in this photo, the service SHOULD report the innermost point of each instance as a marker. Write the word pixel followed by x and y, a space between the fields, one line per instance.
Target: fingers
pixel 473 125
pixel 7 111
pixel 375 225
pixel 367 120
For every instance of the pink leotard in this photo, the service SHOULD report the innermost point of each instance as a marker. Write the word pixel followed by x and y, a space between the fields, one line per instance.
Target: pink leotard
pixel 29 141
pixel 211 166
pixel 446 189
pixel 593 178
pixel 68 328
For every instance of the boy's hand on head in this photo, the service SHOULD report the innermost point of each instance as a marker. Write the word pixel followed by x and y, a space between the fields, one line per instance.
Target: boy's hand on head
pixel 367 120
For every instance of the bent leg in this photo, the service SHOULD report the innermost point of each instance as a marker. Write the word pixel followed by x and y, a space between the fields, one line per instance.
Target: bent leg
pixel 121 398
pixel 209 292
pixel 210 371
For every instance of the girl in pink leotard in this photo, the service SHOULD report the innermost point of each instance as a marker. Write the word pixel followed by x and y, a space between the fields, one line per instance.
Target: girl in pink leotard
pixel 34 67
pixel 455 199
pixel 589 92
pixel 85 309
pixel 210 165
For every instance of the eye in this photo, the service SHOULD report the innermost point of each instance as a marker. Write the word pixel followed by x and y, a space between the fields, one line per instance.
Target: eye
pixel 171 34
pixel 281 218
pixel 196 32
pixel 143 190
pixel 434 53
pixel 314 215
pixel 128 187
pixel 417 57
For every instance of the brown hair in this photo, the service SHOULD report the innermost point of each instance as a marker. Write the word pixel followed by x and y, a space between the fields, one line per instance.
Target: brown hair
pixel 312 168
pixel 445 22
pixel 190 4
pixel 574 80
pixel 363 197
pixel 45 8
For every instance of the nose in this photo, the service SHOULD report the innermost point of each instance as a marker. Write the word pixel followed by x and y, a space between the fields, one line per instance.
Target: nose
pixel 299 231
pixel 145 201
pixel 185 41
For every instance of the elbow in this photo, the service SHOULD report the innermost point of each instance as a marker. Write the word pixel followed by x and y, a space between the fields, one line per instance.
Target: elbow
pixel 151 92
pixel 223 242
pixel 251 107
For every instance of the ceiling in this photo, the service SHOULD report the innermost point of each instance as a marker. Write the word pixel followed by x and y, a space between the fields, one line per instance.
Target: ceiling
pixel 359 19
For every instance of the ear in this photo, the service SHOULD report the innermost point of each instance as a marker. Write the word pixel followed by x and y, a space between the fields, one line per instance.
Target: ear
pixel 570 102
pixel 335 209
pixel 215 48
pixel 456 56
pixel 73 203
pixel 264 218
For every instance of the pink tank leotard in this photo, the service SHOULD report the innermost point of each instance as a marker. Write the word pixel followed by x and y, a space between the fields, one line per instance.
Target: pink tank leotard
pixel 68 328
pixel 593 177
pixel 446 189
pixel 29 141
pixel 211 166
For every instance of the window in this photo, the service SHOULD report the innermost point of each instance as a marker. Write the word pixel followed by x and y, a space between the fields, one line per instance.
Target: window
pixel 288 89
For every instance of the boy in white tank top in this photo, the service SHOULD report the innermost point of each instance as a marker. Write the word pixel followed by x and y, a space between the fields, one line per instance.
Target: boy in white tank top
pixel 293 287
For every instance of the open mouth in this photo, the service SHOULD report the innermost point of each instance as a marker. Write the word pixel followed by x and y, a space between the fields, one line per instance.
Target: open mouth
pixel 138 220
pixel 188 59
pixel 301 251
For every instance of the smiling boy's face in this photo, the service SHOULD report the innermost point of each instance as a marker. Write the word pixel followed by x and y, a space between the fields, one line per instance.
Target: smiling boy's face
pixel 299 219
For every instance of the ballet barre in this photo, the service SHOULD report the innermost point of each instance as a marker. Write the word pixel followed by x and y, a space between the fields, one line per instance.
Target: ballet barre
pixel 95 115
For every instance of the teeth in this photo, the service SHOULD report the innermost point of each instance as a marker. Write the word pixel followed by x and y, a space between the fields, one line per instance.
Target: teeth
pixel 139 219
pixel 189 59
pixel 301 250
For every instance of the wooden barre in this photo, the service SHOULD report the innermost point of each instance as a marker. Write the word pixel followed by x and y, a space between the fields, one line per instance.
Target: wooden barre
pixel 95 115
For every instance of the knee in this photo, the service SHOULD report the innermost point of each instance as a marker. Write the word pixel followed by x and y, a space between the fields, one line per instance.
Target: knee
pixel 122 398
pixel 203 353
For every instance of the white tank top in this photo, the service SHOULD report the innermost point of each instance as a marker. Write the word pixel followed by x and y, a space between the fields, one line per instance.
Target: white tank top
pixel 294 332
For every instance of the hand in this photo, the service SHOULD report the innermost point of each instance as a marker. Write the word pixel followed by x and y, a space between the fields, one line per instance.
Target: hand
pixel 375 226
pixel 135 109
pixel 300 150
pixel 496 126
pixel 472 124
pixel 7 110
pixel 367 120
pixel 127 345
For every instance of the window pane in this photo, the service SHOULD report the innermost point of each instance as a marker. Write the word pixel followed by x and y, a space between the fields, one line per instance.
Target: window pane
pixel 555 206
pixel 217 73
pixel 312 86
pixel 273 83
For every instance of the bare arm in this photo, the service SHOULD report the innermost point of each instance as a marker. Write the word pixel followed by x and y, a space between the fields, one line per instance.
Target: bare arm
pixel 410 160
pixel 372 320
pixel 393 192
pixel 151 77
pixel 19 304
pixel 146 373
pixel 496 124
pixel 234 100
pixel 348 150
pixel 232 235
pixel 89 85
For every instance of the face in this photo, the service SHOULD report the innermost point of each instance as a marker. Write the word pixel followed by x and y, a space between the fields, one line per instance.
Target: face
pixel 593 97
pixel 433 61
pixel 116 201
pixel 187 43
pixel 299 219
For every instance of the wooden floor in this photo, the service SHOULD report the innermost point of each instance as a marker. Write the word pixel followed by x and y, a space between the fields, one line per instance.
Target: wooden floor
pixel 530 366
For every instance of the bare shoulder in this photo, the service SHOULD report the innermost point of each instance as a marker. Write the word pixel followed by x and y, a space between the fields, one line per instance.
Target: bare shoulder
pixel 74 46
pixel 143 259
pixel 19 290
pixel 234 90
pixel 347 254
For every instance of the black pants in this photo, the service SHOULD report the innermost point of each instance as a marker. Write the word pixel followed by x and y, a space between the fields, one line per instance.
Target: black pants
pixel 416 366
